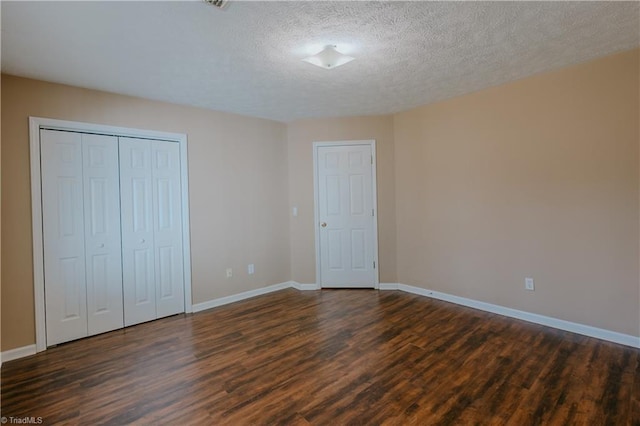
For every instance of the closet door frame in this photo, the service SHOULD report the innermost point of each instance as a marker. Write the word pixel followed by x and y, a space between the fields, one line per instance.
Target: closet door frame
pixel 38 123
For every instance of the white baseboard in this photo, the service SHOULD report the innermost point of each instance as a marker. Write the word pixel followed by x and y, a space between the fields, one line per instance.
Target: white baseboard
pixel 388 286
pixel 586 330
pixel 16 353
pixel 303 287
pixel 197 307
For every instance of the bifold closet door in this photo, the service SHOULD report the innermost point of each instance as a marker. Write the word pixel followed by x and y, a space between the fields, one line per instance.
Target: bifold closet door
pixel 167 222
pixel 151 229
pixel 81 234
pixel 103 246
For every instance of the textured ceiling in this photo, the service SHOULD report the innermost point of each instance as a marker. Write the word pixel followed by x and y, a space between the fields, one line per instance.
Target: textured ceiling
pixel 246 59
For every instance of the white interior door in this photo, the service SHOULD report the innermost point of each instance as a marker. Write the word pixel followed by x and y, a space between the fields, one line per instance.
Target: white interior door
pixel 138 264
pixel 103 250
pixel 345 209
pixel 167 221
pixel 63 236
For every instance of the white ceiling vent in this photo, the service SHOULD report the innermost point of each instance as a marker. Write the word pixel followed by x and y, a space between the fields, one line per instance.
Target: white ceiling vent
pixel 218 3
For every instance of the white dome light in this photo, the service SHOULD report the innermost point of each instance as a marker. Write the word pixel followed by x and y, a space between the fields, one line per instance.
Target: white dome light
pixel 328 58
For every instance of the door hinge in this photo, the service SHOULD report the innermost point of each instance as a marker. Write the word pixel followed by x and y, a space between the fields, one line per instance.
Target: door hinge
pixel 374 264
pixel 373 212
pixel 372 159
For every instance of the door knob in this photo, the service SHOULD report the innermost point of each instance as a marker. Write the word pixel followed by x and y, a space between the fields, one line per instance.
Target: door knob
pixel 101 245
pixel 141 240
pixel 323 224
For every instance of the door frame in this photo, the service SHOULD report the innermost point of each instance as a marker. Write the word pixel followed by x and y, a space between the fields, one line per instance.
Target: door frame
pixel 316 207
pixel 38 123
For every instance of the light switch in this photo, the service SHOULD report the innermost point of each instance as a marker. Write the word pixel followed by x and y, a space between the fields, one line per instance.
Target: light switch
pixel 295 211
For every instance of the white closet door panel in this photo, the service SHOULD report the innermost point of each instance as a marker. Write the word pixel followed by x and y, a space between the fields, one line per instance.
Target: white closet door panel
pixel 138 264
pixel 165 161
pixel 102 233
pixel 63 236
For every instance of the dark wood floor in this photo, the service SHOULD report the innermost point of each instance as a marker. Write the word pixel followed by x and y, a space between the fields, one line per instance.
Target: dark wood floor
pixel 333 357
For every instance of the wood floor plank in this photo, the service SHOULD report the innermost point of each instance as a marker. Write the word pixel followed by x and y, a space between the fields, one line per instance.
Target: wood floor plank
pixel 333 357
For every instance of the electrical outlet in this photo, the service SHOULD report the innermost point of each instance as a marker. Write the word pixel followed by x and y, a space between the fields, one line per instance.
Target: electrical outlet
pixel 528 284
pixel 229 272
pixel 251 269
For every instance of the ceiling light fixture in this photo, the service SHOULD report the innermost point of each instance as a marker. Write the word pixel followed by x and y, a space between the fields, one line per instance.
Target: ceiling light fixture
pixel 328 58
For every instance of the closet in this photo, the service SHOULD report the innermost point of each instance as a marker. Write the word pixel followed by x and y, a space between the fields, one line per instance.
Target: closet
pixel 112 232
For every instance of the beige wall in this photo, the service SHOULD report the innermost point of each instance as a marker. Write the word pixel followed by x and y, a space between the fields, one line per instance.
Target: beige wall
pixel 535 178
pixel 301 135
pixel 237 172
